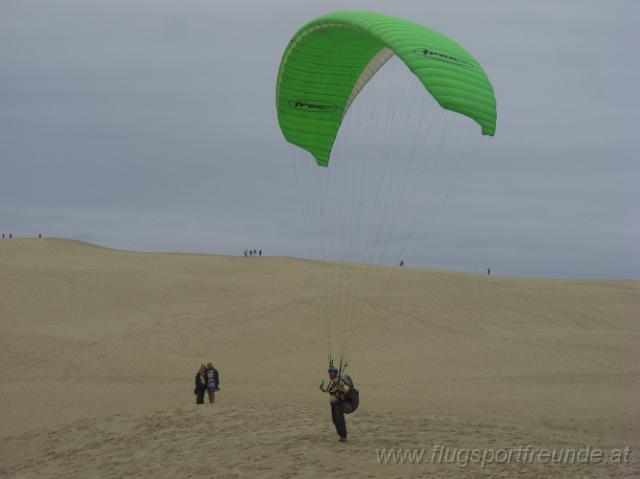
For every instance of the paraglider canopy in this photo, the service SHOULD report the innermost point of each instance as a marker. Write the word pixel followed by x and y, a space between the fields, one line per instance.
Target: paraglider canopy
pixel 330 60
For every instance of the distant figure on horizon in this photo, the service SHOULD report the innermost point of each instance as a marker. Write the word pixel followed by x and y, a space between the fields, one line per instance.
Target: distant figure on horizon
pixel 402 263
pixel 2 235
pixel 213 382
pixel 10 235
pixel 260 253
pixel 201 384
pixel 245 253
pixel 39 235
pixel 488 271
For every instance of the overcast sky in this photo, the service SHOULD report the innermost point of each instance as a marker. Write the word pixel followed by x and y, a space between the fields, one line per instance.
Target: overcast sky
pixel 151 125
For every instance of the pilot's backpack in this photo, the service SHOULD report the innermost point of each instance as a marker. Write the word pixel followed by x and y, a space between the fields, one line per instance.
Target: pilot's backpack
pixel 351 402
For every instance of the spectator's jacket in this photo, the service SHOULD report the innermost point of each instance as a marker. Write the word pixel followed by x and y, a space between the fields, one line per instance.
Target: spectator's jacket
pixel 213 377
pixel 201 381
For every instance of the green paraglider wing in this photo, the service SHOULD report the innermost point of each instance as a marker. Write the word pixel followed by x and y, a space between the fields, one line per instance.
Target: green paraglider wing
pixel 330 60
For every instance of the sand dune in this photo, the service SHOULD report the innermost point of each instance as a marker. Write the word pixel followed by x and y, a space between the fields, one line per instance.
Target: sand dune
pixel 99 348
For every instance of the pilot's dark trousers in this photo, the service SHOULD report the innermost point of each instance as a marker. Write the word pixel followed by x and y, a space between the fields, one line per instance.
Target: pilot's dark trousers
pixel 337 415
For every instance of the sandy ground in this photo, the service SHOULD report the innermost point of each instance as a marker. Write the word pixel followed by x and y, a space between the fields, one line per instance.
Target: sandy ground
pixel 98 350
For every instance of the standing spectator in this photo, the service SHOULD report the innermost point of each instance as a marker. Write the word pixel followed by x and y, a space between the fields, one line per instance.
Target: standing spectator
pixel 201 384
pixel 213 382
